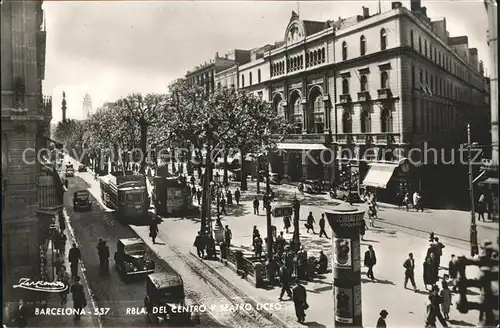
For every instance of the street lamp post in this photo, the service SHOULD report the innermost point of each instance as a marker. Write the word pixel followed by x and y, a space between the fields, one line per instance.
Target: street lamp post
pixel 268 217
pixel 473 227
pixel 296 215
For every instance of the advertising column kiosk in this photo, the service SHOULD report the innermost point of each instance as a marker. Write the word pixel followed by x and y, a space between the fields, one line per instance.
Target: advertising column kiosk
pixel 345 221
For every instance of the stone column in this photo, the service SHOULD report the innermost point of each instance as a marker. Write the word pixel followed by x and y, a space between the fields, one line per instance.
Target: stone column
pixel 305 117
pixel 345 221
pixel 327 107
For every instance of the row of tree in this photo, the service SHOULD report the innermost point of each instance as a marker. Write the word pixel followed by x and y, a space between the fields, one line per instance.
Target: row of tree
pixel 185 118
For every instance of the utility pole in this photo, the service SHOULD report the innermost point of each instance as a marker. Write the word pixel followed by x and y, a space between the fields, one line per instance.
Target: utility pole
pixel 473 227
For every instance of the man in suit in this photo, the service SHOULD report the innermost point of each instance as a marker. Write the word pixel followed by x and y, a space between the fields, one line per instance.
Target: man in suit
pixel 79 301
pixel 74 257
pixel 370 261
pixel 285 277
pixel 409 266
pixel 21 314
pixel 299 297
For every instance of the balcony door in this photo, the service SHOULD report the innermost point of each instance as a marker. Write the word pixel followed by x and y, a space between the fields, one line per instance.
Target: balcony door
pixel 317 109
pixel 296 118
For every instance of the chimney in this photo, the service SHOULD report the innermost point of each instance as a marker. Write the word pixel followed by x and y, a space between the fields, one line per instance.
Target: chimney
pixel 366 12
pixel 415 5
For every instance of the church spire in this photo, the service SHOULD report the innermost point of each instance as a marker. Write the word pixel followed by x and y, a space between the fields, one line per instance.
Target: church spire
pixel 63 107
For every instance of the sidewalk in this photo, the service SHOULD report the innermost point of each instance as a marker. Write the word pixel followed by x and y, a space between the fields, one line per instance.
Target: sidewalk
pixel 54 300
pixel 406 308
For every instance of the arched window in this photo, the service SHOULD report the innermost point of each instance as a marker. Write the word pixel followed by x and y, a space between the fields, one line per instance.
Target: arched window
pixel 242 80
pixel 278 107
pixel 258 76
pixel 425 48
pixel 344 50
pixel 318 112
pixel 420 45
pixel 386 120
pixel 383 39
pixel 345 86
pixel 365 122
pixel 315 56
pixel 323 54
pixel 297 115
pixel 411 39
pixel 307 59
pixel 346 123
pixel 362 45
pixel 301 61
pixel 384 80
pixel 295 62
pixel 364 83
pixel 250 78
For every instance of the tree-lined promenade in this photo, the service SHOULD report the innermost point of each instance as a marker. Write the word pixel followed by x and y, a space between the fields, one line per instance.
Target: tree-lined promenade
pixel 186 119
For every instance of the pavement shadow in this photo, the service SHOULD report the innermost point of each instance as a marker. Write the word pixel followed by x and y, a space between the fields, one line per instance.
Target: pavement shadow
pixel 364 241
pixel 322 289
pixel 313 324
pixel 378 281
pixel 461 323
pixel 235 211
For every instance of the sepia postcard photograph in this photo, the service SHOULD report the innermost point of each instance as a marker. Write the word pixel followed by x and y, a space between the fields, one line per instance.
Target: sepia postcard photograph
pixel 248 164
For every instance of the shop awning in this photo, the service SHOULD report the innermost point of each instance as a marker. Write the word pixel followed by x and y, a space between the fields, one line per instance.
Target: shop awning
pixel 300 146
pixel 379 175
pixel 489 181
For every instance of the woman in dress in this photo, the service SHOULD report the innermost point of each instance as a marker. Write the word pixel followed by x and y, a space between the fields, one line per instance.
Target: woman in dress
pixel 446 295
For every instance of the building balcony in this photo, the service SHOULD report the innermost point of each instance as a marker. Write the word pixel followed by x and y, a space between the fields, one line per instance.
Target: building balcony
pixel 363 96
pixel 384 93
pixel 50 191
pixel 345 98
pixel 368 138
pixel 316 138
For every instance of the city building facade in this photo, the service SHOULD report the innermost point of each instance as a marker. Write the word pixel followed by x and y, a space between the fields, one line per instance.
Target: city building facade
pixel 368 96
pixel 32 191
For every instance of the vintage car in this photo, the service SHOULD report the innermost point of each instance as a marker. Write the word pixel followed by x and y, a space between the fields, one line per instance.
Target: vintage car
pixel 130 258
pixel 351 196
pixel 166 301
pixel 70 171
pixel 82 168
pixel 81 201
pixel 311 186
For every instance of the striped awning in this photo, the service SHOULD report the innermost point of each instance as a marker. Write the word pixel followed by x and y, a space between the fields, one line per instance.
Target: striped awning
pixel 379 174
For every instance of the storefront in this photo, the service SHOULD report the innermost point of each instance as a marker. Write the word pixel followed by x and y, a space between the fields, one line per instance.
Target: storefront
pixel 490 189
pixel 389 181
pixel 303 161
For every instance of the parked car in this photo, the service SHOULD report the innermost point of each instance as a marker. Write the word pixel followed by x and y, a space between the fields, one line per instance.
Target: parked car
pixel 81 201
pixel 166 300
pixel 70 171
pixel 310 186
pixel 130 258
pixel 82 168
pixel 351 196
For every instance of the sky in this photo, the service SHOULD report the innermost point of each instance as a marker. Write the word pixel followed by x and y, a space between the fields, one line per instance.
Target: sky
pixel 111 49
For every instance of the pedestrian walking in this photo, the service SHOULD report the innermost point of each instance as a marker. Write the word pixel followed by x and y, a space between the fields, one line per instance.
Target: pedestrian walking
pixel 446 296
pixel 370 261
pixel 322 230
pixel 229 197
pixel 223 206
pixel 256 206
pixel 453 271
pixel 362 229
pixel 21 314
pixel 62 222
pixel 417 201
pixel 409 266
pixel 280 242
pixel 438 250
pixel 103 252
pixel 64 277
pixel 406 201
pixel 228 235
pixel 286 223
pixel 74 257
pixel 255 234
pixel 285 279
pixel 198 243
pixel 430 271
pixel 198 196
pixel 436 301
pixel 153 231
pixel 481 208
pixel 381 320
pixel 237 196
pixel 299 297
pixel 79 301
pixel 310 223
pixel 257 245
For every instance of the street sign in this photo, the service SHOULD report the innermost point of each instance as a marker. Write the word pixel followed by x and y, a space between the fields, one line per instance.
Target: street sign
pixel 281 211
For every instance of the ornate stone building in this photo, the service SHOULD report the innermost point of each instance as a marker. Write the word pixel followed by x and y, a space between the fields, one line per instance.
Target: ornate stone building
pixel 31 188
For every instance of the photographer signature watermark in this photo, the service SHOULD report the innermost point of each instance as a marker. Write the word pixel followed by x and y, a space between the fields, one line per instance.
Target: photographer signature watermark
pixel 41 286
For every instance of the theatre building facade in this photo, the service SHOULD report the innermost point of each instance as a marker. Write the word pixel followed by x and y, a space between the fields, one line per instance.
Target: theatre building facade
pixel 403 86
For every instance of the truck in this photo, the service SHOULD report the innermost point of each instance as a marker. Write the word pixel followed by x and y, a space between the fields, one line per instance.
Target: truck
pixel 125 193
pixel 172 196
